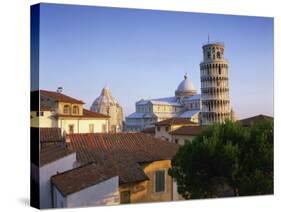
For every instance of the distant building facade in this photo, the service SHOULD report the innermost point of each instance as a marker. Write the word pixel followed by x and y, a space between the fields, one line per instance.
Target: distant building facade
pixel 107 105
pixel 164 128
pixel 185 104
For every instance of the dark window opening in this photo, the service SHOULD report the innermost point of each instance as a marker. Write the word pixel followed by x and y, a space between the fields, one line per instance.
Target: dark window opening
pixel 125 197
pixel 160 181
pixel 218 55
pixel 70 128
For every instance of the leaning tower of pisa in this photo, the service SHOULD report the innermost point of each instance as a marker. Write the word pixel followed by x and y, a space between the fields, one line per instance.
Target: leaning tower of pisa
pixel 214 85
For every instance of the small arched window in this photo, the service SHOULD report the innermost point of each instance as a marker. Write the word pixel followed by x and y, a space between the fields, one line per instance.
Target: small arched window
pixel 219 70
pixel 66 109
pixel 218 55
pixel 75 109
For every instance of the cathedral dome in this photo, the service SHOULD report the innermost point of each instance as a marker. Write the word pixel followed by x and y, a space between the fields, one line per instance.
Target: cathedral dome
pixel 186 88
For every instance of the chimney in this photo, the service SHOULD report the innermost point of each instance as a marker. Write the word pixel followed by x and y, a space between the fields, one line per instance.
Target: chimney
pixel 59 89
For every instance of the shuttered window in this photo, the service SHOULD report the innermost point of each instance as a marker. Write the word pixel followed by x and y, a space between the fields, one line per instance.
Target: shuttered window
pixel 160 181
pixel 125 197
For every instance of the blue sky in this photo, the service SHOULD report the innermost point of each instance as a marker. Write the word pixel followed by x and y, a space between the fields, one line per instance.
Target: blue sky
pixel 145 53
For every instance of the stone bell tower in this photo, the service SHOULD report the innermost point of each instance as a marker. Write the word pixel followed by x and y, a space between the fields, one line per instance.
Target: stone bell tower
pixel 214 85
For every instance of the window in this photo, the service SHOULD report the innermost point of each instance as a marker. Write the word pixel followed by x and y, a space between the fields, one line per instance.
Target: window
pixel 91 128
pixel 219 70
pixel 167 129
pixel 65 109
pixel 160 181
pixel 125 197
pixel 75 109
pixel 209 55
pixel 104 128
pixel 176 141
pixel 218 55
pixel 55 198
pixel 40 113
pixel 71 128
pixel 158 128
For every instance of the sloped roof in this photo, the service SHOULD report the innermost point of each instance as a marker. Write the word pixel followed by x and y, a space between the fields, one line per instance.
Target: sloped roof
pixel 79 178
pixel 121 153
pixel 138 146
pixel 60 97
pixel 149 130
pixel 187 130
pixel 189 113
pixel 254 119
pixel 52 134
pixel 175 121
pixel 52 153
pixel 86 114
pixel 160 101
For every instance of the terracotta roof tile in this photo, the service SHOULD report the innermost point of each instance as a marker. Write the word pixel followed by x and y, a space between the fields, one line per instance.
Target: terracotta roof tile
pixel 50 135
pixel 60 97
pixel 79 178
pixel 122 152
pixel 254 119
pixel 52 153
pixel 175 121
pixel 187 130
pixel 141 147
pixel 149 130
pixel 86 114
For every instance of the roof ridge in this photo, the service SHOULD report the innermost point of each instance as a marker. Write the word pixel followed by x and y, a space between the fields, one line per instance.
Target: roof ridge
pixel 73 169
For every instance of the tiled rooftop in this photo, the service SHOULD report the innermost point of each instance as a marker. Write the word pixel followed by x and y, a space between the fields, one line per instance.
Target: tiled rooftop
pixel 187 130
pixel 52 153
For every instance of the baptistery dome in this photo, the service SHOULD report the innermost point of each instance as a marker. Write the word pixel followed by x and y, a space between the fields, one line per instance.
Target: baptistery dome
pixel 107 104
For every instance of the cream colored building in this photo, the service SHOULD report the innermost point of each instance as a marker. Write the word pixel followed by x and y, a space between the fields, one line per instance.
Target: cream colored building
pixel 107 105
pixel 185 104
pixel 67 113
pixel 164 128
pixel 184 134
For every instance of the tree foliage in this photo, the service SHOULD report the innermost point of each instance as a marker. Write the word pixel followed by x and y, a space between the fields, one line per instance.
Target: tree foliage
pixel 226 156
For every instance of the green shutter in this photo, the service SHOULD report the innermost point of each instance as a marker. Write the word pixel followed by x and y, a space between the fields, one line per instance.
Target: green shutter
pixel 160 181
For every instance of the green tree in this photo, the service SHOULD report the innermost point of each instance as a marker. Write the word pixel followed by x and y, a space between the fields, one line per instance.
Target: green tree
pixel 256 159
pixel 226 155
